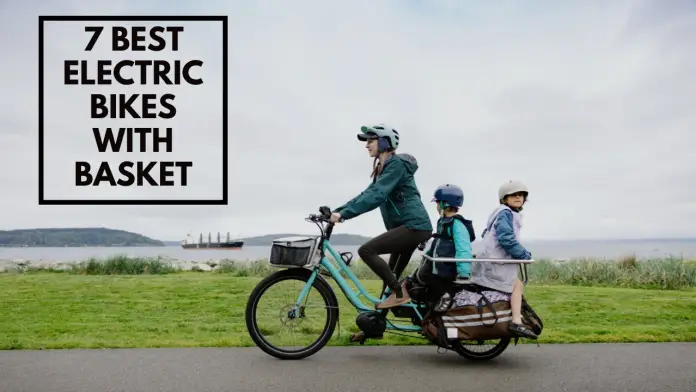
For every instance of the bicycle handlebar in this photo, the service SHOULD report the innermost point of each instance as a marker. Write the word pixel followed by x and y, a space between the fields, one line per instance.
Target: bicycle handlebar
pixel 324 215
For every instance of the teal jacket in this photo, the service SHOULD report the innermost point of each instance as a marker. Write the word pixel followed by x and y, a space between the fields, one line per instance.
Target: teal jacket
pixel 459 246
pixel 395 192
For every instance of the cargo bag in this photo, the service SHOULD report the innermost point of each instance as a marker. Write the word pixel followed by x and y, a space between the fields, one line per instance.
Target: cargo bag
pixel 485 318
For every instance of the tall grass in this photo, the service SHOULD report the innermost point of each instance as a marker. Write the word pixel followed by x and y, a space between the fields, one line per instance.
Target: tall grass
pixel 666 274
pixel 252 268
pixel 123 265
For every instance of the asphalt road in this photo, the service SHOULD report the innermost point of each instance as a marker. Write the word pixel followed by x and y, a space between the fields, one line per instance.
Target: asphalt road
pixel 549 368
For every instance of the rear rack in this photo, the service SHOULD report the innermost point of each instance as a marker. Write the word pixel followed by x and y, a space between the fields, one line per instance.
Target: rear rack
pixel 522 265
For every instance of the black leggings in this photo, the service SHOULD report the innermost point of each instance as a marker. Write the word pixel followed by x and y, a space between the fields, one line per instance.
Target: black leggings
pixel 400 243
pixel 437 285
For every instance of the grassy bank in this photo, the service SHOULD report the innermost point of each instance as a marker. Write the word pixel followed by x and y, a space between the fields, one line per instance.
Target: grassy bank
pixel 49 310
pixel 666 274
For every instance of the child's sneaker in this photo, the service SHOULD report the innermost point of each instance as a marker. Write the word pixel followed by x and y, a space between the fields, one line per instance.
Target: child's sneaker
pixel 521 331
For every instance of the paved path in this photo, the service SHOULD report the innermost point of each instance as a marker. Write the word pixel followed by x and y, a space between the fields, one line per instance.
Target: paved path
pixel 549 368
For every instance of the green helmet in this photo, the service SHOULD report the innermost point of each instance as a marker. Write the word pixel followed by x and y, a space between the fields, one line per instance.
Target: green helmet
pixel 380 131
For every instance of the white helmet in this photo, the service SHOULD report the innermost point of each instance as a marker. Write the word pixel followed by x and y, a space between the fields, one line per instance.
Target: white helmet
pixel 511 187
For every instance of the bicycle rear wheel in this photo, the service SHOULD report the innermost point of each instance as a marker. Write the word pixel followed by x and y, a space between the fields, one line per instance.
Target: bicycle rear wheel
pixel 484 350
pixel 291 318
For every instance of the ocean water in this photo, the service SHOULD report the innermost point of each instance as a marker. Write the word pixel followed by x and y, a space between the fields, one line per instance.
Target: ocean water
pixel 540 249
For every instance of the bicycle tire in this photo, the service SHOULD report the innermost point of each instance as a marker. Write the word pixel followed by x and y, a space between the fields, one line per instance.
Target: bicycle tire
pixel 324 290
pixel 498 349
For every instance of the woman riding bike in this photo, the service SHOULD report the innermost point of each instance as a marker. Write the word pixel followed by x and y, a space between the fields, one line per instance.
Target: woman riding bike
pixel 394 191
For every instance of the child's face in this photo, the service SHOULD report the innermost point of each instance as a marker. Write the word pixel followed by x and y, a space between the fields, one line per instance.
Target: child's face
pixel 444 211
pixel 516 200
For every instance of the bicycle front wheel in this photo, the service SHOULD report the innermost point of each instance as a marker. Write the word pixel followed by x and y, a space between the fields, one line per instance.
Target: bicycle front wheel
pixel 317 314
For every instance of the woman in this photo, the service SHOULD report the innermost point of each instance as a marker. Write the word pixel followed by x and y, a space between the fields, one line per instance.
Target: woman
pixel 393 190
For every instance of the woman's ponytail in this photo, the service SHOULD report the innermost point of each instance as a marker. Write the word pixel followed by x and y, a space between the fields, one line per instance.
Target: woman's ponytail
pixel 376 166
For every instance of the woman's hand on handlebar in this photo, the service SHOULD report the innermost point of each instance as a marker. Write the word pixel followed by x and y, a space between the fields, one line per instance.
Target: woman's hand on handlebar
pixel 335 217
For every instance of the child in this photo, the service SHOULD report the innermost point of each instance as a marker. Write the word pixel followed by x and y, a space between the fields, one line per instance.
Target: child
pixel 453 239
pixel 501 241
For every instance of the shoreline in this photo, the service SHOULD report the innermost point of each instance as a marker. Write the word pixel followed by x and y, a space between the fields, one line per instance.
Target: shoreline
pixel 9 265
pixel 549 251
pixel 628 272
pixel 23 265
pixel 218 258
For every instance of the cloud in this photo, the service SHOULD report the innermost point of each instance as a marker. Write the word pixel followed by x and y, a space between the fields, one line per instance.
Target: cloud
pixel 588 103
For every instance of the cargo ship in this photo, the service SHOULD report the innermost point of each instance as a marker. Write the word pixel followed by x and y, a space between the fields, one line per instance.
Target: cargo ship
pixel 227 244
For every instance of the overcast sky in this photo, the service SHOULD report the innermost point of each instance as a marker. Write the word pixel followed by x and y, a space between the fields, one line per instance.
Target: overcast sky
pixel 590 103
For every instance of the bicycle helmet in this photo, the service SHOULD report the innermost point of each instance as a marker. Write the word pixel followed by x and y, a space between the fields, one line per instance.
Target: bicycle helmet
pixel 449 195
pixel 512 187
pixel 388 136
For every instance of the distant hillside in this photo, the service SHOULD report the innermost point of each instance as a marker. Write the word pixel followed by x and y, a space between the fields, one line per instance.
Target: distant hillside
pixel 74 237
pixel 265 240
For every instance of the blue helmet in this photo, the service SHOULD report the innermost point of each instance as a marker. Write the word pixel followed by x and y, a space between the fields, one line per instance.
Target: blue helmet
pixel 449 194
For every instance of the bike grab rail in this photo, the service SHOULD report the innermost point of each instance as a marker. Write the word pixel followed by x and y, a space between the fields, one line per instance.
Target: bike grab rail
pixel 522 264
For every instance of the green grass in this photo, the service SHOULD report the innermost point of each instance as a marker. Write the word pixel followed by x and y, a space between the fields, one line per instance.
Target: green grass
pixel 50 310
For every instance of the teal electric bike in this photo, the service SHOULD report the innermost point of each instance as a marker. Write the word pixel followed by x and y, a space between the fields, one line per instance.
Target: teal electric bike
pixel 304 261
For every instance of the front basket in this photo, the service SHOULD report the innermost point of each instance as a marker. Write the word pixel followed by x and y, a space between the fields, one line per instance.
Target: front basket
pixel 293 252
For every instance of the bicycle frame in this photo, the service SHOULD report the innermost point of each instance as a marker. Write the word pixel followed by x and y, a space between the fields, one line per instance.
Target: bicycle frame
pixel 351 295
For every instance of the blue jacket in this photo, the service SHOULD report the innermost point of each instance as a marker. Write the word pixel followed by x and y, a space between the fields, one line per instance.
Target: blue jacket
pixel 505 235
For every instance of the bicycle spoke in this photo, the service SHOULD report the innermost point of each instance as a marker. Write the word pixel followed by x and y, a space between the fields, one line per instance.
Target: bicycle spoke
pixel 285 327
